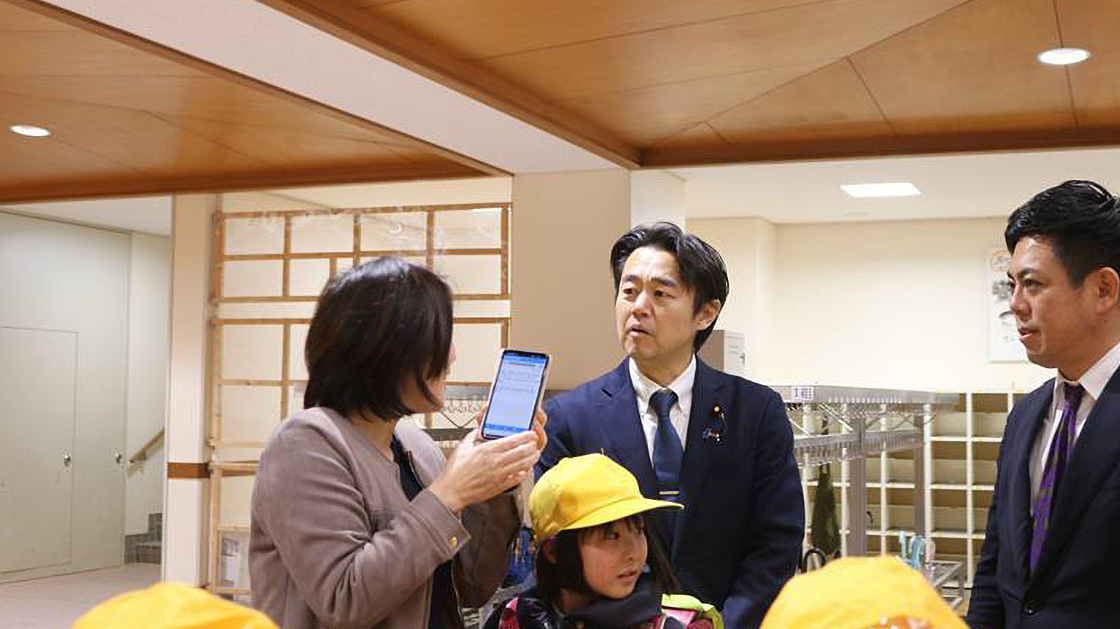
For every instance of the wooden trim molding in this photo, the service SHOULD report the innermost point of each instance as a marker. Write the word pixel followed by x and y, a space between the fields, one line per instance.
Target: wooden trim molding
pixel 188 470
pixel 931 144
pixel 93 188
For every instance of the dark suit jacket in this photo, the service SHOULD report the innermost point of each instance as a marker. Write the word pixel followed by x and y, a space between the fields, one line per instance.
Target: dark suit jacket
pixel 1075 582
pixel 739 537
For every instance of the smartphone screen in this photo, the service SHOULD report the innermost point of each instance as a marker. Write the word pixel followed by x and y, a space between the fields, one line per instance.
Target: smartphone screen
pixel 514 396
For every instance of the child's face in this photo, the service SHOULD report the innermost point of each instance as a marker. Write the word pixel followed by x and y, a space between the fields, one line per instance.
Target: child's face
pixel 614 556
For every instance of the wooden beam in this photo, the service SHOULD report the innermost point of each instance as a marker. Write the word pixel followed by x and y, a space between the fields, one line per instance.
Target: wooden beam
pixel 80 21
pixel 352 24
pixel 142 185
pixel 188 470
pixel 881 147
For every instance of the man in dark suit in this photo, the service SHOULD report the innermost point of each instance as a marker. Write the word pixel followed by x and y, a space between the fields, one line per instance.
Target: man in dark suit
pixel 1053 538
pixel 720 445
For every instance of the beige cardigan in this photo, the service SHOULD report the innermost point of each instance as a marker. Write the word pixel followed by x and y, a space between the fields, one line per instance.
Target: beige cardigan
pixel 336 544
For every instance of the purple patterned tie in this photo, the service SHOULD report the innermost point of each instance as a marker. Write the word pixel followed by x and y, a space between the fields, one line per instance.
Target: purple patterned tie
pixel 1056 462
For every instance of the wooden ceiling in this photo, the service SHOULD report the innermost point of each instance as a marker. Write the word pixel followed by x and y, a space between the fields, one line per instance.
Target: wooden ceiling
pixel 739 80
pixel 125 120
pixel 641 82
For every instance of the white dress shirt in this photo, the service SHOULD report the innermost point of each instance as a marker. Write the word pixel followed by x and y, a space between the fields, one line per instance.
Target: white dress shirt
pixel 644 388
pixel 1093 381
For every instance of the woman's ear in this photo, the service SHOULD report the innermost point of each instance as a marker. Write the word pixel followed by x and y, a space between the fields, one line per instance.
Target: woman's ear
pixel 549 550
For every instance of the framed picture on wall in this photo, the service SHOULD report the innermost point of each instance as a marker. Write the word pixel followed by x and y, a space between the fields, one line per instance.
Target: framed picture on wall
pixel 1003 337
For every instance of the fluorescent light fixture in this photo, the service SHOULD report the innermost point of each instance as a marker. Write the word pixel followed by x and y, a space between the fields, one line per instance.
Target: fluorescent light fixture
pixel 486 210
pixel 1063 56
pixel 880 190
pixel 30 130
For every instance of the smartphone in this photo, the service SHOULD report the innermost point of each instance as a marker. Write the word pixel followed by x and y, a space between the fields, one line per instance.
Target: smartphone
pixel 516 393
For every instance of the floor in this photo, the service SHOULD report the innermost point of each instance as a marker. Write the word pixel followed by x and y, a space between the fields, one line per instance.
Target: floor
pixel 56 602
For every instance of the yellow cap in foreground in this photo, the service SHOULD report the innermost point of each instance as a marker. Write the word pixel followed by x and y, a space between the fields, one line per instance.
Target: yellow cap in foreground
pixel 172 606
pixel 857 593
pixel 584 491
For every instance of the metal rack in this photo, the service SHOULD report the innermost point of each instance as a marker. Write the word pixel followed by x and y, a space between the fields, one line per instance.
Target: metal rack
pixel 842 424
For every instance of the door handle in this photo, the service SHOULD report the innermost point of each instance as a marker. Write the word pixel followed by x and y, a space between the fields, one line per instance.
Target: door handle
pixel 118 457
pixel 66 460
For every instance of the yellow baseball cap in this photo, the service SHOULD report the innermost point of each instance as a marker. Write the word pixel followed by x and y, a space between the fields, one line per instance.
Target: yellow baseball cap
pixel 584 491
pixel 172 606
pixel 857 593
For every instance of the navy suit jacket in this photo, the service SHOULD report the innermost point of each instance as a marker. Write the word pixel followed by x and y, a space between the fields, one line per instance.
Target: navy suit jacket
pixel 739 537
pixel 1074 584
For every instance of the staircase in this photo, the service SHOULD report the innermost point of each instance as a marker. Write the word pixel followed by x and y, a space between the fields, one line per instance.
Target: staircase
pixel 146 547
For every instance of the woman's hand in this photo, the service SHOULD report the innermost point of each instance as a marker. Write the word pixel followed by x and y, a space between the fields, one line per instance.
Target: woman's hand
pixel 480 469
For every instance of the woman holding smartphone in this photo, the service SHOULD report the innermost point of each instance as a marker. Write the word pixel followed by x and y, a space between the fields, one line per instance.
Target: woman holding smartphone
pixel 357 520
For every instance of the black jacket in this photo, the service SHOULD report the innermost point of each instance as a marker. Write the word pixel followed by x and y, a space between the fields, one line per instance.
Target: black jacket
pixel 1074 585
pixel 739 537
pixel 642 606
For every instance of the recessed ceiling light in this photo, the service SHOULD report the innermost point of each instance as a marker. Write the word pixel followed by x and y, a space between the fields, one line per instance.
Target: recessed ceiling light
pixel 30 130
pixel 879 190
pixel 1063 56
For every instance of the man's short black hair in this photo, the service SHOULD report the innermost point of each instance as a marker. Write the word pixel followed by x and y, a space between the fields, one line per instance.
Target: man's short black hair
pixel 1080 220
pixel 701 267
pixel 377 327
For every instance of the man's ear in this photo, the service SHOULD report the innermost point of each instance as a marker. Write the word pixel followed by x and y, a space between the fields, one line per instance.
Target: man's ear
pixel 1108 288
pixel 549 550
pixel 707 314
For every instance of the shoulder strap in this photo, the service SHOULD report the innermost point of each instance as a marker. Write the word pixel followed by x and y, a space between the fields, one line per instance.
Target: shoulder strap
pixel 508 619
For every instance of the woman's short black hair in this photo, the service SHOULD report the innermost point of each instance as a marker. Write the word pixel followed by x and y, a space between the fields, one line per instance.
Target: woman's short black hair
pixel 1081 221
pixel 701 267
pixel 377 327
pixel 567 571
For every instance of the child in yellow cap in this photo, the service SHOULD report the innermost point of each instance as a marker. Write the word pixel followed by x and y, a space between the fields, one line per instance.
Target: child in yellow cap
pixel 595 567
pixel 861 593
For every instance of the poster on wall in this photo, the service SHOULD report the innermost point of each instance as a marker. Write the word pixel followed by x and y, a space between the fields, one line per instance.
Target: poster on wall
pixel 1003 337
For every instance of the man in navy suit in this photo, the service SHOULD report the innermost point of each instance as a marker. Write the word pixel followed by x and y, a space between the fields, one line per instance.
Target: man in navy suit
pixel 1053 541
pixel 720 445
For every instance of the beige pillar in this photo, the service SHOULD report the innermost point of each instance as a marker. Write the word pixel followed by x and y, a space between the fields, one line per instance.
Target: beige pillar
pixel 562 303
pixel 748 249
pixel 185 509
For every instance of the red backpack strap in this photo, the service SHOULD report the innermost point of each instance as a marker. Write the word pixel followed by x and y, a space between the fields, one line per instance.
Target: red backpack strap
pixel 508 619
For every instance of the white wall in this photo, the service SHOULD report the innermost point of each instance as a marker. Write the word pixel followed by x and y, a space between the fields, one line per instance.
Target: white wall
pixel 149 285
pixel 890 304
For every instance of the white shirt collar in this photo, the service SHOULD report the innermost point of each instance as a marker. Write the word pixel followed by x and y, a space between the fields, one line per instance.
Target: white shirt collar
pixel 1096 378
pixel 644 388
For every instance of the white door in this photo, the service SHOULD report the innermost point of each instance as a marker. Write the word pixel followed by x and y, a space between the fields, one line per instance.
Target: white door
pixel 71 280
pixel 36 446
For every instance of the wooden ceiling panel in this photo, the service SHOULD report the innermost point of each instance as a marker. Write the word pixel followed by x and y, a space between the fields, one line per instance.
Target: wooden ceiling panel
pixel 199 96
pixel 280 146
pixel 699 136
pixel 132 138
pixel 476 29
pixel 828 104
pixel 807 34
pixel 45 53
pixel 126 120
pixel 1092 25
pixel 644 117
pixel 13 20
pixel 974 69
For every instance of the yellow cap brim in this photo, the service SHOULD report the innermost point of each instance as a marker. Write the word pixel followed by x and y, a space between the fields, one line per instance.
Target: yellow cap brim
pixel 618 510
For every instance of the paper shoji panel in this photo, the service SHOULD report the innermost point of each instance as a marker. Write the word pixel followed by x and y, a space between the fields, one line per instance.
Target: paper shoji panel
pixel 269 268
